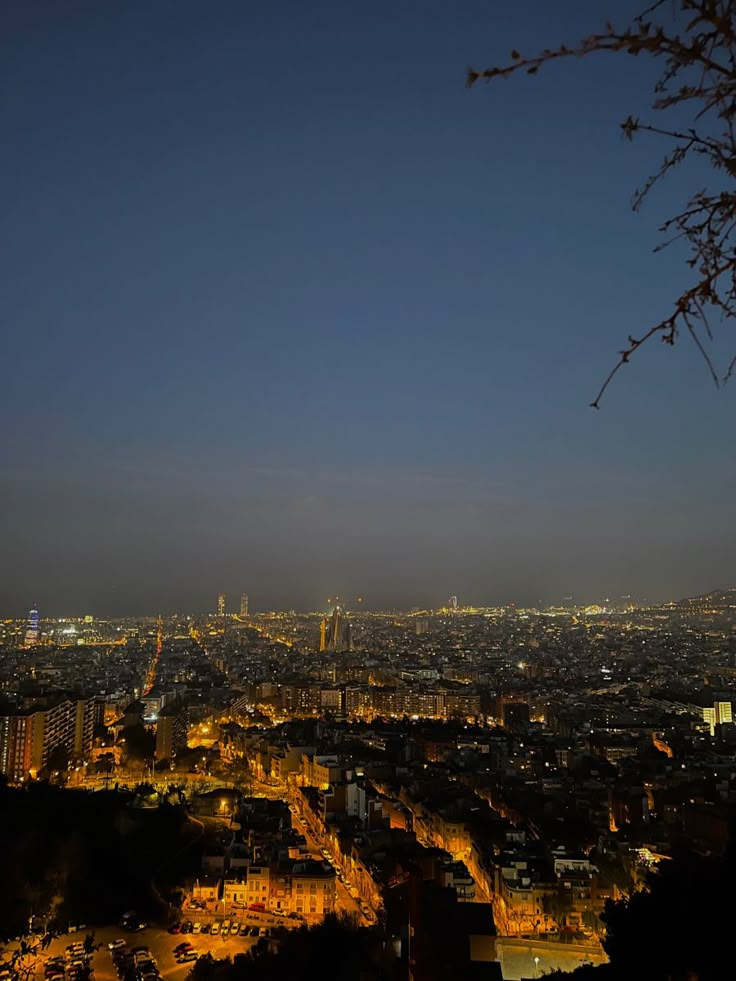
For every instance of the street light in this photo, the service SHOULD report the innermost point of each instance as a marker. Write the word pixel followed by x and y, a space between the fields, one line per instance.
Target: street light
pixel 536 966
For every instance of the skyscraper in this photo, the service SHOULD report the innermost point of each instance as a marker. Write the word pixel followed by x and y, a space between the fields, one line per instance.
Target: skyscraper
pixel 33 629
pixel 323 634
pixel 244 604
pixel 221 605
pixel 336 630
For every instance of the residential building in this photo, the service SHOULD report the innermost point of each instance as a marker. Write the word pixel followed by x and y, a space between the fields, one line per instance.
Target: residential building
pixel 171 730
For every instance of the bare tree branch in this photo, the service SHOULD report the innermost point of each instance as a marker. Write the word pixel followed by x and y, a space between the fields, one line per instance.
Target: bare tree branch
pixel 696 42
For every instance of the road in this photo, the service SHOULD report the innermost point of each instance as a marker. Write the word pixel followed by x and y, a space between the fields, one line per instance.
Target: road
pixel 344 901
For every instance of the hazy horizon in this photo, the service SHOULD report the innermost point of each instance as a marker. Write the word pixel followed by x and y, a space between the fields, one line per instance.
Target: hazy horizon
pixel 353 606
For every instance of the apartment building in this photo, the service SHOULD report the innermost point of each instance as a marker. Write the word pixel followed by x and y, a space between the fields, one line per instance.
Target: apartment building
pixel 29 734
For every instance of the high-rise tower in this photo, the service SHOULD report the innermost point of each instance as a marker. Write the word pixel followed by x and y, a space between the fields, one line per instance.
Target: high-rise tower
pixel 244 604
pixel 33 629
pixel 221 605
pixel 323 634
pixel 336 630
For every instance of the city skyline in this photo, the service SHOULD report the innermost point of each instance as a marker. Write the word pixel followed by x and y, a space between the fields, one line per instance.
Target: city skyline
pixel 330 607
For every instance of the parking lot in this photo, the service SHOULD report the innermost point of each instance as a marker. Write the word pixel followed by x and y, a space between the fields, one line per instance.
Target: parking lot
pixel 159 942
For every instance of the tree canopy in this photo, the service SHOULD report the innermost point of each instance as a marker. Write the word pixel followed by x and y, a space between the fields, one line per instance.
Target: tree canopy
pixel 336 948
pixel 73 855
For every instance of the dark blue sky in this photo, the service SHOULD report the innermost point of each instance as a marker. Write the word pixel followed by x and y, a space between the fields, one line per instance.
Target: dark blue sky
pixel 289 310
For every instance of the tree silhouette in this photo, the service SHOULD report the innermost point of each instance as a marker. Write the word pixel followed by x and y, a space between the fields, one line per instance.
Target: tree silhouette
pixel 140 743
pixel 86 857
pixel 696 42
pixel 58 759
pixel 334 949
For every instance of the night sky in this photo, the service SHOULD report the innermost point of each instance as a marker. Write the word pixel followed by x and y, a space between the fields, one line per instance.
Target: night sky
pixel 288 310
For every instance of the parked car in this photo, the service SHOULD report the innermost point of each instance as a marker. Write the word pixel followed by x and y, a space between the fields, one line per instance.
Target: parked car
pixel 215 928
pixel 184 945
pixel 205 928
pixel 175 928
pixel 191 955
pixel 258 907
pixel 196 928
pixel 116 944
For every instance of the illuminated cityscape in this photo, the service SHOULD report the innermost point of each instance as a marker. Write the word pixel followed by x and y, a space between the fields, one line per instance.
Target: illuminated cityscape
pixel 367 596
pixel 531 763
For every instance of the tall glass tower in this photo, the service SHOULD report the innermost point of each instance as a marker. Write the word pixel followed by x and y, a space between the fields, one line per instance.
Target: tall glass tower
pixel 33 629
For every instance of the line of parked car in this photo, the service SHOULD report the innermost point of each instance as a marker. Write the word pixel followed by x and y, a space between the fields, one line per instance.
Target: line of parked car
pixel 222 928
pixel 365 909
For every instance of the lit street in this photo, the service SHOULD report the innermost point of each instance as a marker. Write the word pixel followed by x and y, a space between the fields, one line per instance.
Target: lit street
pixel 344 901
pixel 522 959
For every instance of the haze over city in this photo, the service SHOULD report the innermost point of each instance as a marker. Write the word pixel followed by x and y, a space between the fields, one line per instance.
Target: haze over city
pixel 288 309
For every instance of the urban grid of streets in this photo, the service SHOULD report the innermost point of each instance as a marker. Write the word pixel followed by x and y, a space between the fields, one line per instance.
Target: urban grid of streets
pixel 499 704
